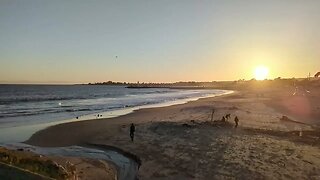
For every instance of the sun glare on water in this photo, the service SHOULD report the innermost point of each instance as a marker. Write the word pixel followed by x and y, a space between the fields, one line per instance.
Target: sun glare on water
pixel 261 73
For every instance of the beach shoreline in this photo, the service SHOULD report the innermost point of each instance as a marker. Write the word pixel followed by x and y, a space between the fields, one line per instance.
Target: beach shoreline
pixel 117 119
pixel 9 135
pixel 165 132
pixel 118 150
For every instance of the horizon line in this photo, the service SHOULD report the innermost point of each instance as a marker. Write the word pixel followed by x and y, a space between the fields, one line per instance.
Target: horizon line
pixel 72 83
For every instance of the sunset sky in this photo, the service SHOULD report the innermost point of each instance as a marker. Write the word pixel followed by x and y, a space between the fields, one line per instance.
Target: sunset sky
pixel 77 41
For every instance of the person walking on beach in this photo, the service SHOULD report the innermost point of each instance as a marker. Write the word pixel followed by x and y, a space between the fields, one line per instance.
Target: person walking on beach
pixel 236 120
pixel 132 129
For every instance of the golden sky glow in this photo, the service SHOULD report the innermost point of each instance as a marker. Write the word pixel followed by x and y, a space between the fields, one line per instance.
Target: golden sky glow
pixel 157 41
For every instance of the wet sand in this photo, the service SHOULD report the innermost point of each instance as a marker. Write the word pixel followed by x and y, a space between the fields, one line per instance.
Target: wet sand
pixel 181 142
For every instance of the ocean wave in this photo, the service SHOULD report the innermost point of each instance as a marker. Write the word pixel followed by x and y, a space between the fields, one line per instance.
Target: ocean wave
pixel 4 101
pixel 44 111
pixel 84 100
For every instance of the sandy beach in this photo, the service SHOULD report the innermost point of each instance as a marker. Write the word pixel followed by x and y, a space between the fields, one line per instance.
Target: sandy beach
pixel 160 90
pixel 181 141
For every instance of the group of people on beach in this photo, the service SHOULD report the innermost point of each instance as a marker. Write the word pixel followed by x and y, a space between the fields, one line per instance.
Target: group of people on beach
pixel 228 116
pixel 98 115
pixel 224 119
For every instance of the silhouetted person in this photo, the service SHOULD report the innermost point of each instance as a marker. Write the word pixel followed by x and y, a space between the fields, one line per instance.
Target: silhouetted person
pixel 132 129
pixel 77 117
pixel 212 114
pixel 236 120
pixel 228 116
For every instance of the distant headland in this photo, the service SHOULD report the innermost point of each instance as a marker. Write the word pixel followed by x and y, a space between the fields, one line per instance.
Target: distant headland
pixel 238 84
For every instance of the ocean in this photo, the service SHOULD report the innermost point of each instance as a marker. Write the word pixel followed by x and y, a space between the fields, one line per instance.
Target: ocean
pixel 28 108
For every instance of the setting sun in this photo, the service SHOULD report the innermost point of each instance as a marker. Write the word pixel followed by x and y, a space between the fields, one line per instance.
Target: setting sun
pixel 261 73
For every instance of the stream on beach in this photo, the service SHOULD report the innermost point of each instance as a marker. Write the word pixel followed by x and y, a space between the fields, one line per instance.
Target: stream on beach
pixel 127 168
